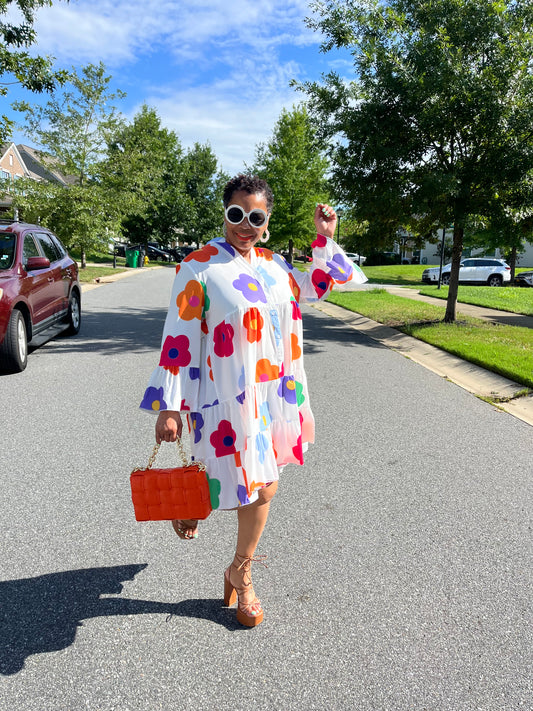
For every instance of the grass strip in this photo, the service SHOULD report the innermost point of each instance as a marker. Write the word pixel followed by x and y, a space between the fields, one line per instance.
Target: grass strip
pixel 89 274
pixel 502 349
pixel 514 299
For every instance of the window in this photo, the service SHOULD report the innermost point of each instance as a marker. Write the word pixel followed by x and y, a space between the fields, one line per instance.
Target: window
pixel 29 248
pixel 7 250
pixel 59 247
pixel 48 246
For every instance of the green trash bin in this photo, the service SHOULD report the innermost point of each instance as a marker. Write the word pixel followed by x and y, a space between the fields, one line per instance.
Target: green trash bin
pixel 132 257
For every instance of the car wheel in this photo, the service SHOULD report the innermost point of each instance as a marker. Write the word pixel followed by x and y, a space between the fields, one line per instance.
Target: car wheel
pixel 495 280
pixel 446 279
pixel 74 314
pixel 14 349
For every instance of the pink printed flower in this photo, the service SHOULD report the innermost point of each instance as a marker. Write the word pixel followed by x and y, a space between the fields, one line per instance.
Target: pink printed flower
pixel 175 353
pixel 223 439
pixel 223 339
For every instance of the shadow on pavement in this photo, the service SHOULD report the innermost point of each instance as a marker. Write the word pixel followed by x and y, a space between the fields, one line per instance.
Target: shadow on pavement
pixel 39 615
pixel 321 329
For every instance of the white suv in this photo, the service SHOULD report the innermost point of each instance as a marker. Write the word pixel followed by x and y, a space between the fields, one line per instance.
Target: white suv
pixel 474 270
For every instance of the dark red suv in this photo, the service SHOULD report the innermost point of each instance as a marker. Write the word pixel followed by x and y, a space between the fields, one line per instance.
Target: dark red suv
pixel 39 291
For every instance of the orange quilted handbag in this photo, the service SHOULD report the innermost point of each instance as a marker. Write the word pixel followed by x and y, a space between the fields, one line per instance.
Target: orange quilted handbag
pixel 169 494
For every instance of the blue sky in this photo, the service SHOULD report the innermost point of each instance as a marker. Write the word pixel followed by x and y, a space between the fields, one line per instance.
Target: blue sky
pixel 215 70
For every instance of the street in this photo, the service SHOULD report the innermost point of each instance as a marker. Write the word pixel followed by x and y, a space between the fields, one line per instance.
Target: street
pixel 399 557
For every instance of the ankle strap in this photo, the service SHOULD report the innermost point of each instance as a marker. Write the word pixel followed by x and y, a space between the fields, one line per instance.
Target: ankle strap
pixel 247 561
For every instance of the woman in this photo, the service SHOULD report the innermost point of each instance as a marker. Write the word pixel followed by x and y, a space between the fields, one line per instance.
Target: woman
pixel 232 361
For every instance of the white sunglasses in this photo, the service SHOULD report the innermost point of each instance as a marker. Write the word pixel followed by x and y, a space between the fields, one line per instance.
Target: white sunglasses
pixel 235 215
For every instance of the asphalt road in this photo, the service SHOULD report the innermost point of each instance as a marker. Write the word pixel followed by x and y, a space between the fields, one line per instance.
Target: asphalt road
pixel 399 557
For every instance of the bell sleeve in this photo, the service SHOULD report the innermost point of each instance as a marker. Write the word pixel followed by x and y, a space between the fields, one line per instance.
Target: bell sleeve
pixel 330 267
pixel 174 384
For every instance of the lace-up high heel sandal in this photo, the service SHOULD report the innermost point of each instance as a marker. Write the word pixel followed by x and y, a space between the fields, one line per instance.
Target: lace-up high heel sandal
pixel 249 614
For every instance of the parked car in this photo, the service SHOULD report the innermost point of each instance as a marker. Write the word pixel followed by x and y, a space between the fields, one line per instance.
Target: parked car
pixel 474 270
pixel 116 247
pixel 303 258
pixel 356 258
pixel 524 279
pixel 155 252
pixel 39 291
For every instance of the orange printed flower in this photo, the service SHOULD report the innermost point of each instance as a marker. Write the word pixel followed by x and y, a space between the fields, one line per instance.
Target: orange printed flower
pixel 209 366
pixel 202 255
pixel 265 253
pixel 253 323
pixel 264 370
pixel 296 351
pixel 295 288
pixel 191 301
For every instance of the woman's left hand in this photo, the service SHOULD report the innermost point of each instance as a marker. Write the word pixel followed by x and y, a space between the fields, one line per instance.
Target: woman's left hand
pixel 325 220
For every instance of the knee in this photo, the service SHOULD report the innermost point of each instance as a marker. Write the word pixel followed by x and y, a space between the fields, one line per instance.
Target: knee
pixel 266 494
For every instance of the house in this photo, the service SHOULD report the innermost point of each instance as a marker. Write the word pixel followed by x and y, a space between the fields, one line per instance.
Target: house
pixel 22 161
pixel 430 253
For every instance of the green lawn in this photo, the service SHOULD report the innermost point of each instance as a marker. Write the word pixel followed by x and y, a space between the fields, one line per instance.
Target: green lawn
pixel 402 274
pixel 515 299
pixel 89 274
pixel 507 350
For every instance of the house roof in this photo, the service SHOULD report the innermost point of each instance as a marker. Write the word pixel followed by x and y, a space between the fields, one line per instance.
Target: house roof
pixel 43 166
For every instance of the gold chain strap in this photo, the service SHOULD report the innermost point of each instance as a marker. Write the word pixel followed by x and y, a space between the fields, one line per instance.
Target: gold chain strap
pixel 181 450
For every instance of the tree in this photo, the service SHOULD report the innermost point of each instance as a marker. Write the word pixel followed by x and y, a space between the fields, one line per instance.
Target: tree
pixel 33 73
pixel 204 186
pixel 75 128
pixel 143 170
pixel 295 168
pixel 439 119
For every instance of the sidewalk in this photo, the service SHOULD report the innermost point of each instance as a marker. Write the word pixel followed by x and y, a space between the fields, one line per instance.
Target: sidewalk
pixel 502 392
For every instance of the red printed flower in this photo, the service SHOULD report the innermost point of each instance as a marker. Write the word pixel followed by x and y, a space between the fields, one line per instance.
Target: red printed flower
pixel 223 339
pixel 202 255
pixel 191 301
pixel 322 282
pixel 265 371
pixel 296 313
pixel 223 439
pixel 253 323
pixel 320 241
pixel 175 353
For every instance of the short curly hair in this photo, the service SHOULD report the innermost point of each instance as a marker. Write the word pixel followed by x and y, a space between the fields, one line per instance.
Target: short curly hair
pixel 250 184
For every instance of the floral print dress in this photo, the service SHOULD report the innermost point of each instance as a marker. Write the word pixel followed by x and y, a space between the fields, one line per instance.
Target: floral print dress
pixel 232 361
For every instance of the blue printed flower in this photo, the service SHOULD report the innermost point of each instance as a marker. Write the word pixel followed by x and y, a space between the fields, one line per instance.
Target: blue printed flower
pixel 268 278
pixel 251 289
pixel 287 389
pixel 265 418
pixel 241 398
pixel 274 318
pixel 261 442
pixel 153 400
pixel 197 422
pixel 340 268
pixel 210 405
pixel 227 247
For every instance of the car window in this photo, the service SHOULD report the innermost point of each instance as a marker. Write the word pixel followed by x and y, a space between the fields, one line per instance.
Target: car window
pixel 29 248
pixel 469 263
pixel 62 251
pixel 48 247
pixel 7 250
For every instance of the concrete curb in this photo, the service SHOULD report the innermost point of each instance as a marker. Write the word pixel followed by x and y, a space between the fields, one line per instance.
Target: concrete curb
pixel 466 375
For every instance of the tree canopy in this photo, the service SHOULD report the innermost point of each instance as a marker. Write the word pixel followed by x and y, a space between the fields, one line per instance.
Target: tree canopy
pixel 33 73
pixel 294 166
pixel 436 124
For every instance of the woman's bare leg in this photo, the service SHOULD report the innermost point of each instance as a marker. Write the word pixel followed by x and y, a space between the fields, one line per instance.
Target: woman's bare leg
pixel 251 521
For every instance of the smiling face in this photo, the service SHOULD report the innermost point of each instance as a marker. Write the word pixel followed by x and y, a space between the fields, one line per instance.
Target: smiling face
pixel 244 236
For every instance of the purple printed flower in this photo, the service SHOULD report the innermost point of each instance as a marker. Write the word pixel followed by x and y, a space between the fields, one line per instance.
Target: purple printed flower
pixel 242 495
pixel 227 247
pixel 287 389
pixel 197 422
pixel 340 268
pixel 250 288
pixel 153 400
pixel 223 439
pixel 241 398
pixel 194 373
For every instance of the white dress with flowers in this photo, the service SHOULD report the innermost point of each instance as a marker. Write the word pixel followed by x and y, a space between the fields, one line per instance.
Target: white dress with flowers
pixel 232 361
